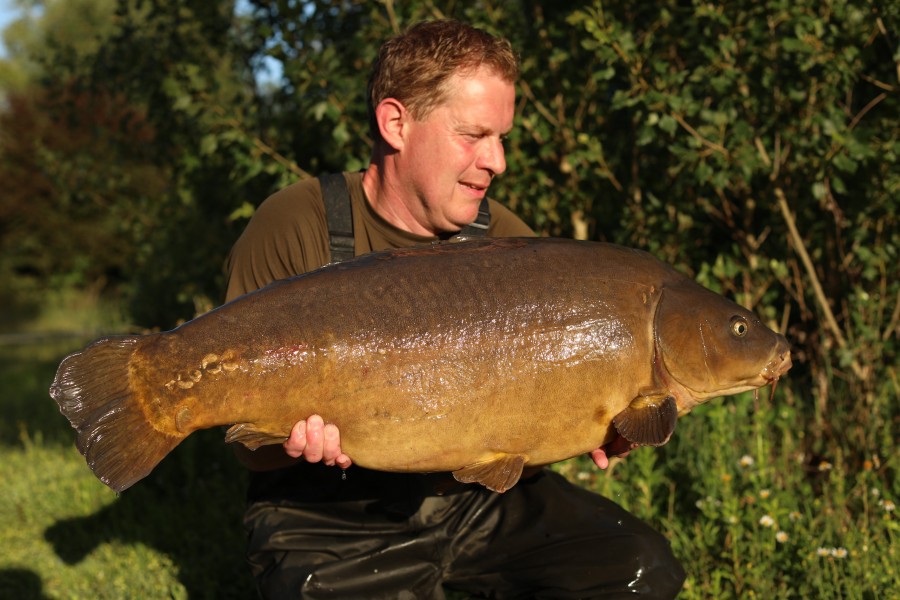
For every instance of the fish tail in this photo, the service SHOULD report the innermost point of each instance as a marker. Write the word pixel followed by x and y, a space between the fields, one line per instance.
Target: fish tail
pixel 93 391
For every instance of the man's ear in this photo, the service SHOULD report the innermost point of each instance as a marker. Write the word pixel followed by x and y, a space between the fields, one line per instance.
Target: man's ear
pixel 392 118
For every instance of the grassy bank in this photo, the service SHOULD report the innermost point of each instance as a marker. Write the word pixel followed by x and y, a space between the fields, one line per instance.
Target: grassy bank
pixel 756 501
pixel 65 535
pixel 754 514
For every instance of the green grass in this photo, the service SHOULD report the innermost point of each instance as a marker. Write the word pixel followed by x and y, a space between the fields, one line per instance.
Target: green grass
pixel 754 513
pixel 65 535
pixel 760 498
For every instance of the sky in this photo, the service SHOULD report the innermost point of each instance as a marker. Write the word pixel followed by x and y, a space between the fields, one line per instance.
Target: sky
pixel 8 12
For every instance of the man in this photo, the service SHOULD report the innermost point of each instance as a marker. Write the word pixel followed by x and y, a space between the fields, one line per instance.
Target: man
pixel 441 100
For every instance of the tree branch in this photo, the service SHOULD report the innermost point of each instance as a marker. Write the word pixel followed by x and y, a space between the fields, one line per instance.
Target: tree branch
pixel 821 299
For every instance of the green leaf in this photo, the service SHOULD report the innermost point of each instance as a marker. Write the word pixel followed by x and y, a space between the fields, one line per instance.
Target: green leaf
pixel 209 144
pixel 668 124
pixel 843 162
pixel 243 212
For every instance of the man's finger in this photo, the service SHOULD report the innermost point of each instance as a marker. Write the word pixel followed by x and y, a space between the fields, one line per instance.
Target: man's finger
pixel 600 458
pixel 296 442
pixel 332 444
pixel 315 439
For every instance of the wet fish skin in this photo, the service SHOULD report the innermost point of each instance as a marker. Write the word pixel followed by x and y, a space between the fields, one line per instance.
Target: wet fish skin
pixel 476 357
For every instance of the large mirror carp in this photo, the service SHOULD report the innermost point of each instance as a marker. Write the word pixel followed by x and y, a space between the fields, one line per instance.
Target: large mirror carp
pixel 477 357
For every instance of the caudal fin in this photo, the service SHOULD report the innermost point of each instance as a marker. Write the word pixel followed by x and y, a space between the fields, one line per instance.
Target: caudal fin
pixel 93 391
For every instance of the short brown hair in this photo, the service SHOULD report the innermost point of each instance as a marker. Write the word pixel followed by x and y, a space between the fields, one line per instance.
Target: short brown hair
pixel 414 67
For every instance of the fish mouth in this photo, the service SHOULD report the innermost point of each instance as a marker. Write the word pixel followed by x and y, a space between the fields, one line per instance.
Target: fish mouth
pixel 778 366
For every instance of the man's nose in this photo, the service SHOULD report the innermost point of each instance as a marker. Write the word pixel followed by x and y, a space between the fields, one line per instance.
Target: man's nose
pixel 493 158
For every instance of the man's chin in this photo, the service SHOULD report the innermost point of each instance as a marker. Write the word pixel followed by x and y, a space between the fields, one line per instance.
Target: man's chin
pixel 459 225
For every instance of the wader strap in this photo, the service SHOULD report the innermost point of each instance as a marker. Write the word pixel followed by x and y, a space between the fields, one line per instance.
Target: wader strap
pixel 338 215
pixel 479 227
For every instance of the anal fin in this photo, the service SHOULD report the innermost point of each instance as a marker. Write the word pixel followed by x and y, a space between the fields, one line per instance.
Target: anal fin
pixel 498 474
pixel 252 437
pixel 649 420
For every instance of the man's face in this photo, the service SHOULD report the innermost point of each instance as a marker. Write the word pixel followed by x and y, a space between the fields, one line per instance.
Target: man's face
pixel 450 156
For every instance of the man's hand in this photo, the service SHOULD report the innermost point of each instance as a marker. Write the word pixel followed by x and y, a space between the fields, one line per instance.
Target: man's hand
pixel 315 441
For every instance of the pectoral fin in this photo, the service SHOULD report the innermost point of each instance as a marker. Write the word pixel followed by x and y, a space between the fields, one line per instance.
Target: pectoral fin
pixel 250 436
pixel 498 474
pixel 649 420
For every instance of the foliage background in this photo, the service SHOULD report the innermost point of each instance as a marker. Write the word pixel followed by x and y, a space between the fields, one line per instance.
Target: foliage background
pixel 755 145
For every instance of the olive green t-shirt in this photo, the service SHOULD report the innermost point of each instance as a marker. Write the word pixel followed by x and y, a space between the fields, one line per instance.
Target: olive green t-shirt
pixel 288 234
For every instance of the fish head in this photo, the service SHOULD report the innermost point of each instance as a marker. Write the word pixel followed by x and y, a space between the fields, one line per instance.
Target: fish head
pixel 709 346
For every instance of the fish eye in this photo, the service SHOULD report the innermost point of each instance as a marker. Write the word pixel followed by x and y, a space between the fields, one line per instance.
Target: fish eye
pixel 739 326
